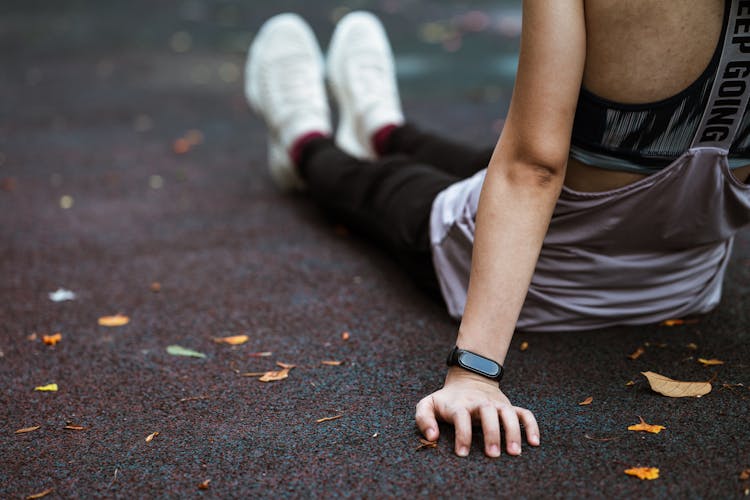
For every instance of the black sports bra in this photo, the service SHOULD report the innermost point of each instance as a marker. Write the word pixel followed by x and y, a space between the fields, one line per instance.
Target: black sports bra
pixel 645 138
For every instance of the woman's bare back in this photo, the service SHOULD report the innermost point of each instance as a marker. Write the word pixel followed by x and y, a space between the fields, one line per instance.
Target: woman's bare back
pixel 643 51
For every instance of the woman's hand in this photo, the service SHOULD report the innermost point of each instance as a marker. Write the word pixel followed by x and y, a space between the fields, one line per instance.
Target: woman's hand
pixel 467 398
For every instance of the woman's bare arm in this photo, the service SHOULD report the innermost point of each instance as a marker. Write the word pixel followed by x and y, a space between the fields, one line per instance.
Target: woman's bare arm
pixel 520 190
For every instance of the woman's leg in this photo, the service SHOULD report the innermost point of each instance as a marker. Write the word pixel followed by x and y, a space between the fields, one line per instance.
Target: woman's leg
pixel 388 201
pixel 450 156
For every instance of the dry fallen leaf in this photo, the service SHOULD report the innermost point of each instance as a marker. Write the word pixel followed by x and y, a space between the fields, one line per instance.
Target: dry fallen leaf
pixel 28 429
pixel 273 376
pixel 331 362
pixel 643 426
pixel 602 439
pixel 586 401
pixel 155 287
pixel 74 427
pixel 637 353
pixel 262 354
pixel 253 374
pixel 426 444
pixel 52 339
pixel 710 362
pixel 181 146
pixel 285 365
pixel 327 419
pixel 232 340
pixel 345 336
pixel 177 350
pixel 46 388
pixel 524 345
pixel 643 472
pixel 204 485
pixel 692 346
pixel 745 475
pixel 675 388
pixel 40 494
pixel 629 383
pixel 116 320
pixel 151 436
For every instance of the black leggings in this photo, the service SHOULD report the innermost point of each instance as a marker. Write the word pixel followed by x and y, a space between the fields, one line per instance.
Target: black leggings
pixel 388 200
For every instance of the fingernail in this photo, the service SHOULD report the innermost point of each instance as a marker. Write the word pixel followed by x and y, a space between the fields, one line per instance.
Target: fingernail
pixel 494 450
pixel 431 434
pixel 463 451
pixel 534 439
pixel 515 448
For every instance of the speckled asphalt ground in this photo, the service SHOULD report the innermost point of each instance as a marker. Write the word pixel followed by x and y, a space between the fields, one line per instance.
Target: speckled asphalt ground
pixel 94 94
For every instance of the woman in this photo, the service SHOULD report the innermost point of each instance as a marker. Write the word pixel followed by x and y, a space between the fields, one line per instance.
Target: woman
pixel 612 195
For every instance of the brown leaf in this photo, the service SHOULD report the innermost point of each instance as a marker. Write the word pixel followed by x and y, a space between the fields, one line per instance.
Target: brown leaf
pixel 263 354
pixel 74 427
pixel 675 388
pixel 426 444
pixel 285 365
pixel 345 336
pixel 710 362
pixel 643 472
pixel 28 429
pixel 327 419
pixel 603 439
pixel 151 436
pixel 331 362
pixel 643 426
pixel 629 383
pixel 194 398
pixel 273 376
pixel 745 475
pixel 587 401
pixel 116 320
pixel 524 345
pixel 40 494
pixel 52 339
pixel 232 340
pixel 253 374
pixel 204 485
pixel 692 346
pixel 637 353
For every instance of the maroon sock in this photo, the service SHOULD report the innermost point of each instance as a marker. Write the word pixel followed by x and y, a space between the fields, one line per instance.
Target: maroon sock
pixel 295 152
pixel 380 139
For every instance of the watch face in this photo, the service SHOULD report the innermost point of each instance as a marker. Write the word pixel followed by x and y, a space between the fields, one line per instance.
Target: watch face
pixel 480 364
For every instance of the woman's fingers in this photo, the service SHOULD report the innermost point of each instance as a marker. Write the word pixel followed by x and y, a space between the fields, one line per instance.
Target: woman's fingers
pixel 426 420
pixel 512 429
pixel 530 425
pixel 490 429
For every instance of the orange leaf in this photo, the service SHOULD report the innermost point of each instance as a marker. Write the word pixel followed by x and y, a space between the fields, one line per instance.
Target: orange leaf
pixel 40 494
pixel 52 339
pixel 181 146
pixel 643 426
pixel 426 444
pixel 326 419
pixel 232 340
pixel 675 388
pixel 151 436
pixel 204 485
pixel 586 401
pixel 330 362
pixel 524 345
pixel 273 376
pixel 643 472
pixel 345 336
pixel 710 362
pixel 155 287
pixel 74 427
pixel 116 320
pixel 637 353
pixel 745 475
pixel 28 429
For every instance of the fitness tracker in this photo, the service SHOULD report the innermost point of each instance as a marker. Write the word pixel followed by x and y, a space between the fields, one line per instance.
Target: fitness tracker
pixel 475 363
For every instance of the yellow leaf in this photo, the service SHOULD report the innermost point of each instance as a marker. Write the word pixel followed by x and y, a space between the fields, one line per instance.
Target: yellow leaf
pixel 233 340
pixel 116 320
pixel 637 353
pixel 643 426
pixel 330 362
pixel 675 388
pixel 273 376
pixel 586 401
pixel 27 429
pixel 151 436
pixel 710 362
pixel 46 388
pixel 326 419
pixel 643 472
pixel 692 346
pixel 629 383
pixel 40 494
pixel 52 339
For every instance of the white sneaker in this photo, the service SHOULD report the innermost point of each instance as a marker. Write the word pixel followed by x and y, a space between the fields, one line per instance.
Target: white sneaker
pixel 284 84
pixel 362 77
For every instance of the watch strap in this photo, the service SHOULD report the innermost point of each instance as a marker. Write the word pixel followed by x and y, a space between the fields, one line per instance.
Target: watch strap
pixel 475 363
